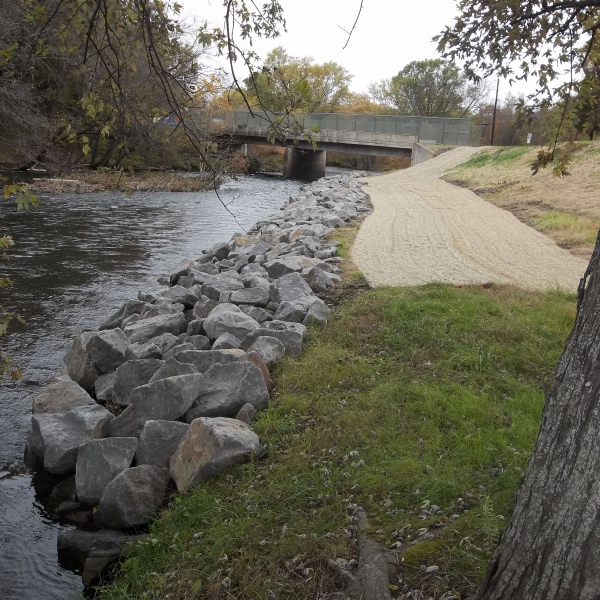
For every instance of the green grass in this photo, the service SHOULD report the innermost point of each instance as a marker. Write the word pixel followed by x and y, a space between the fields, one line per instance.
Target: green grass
pixel 496 157
pixel 570 226
pixel 409 399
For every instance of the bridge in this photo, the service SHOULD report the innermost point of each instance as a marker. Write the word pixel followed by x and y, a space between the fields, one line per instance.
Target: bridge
pixel 379 135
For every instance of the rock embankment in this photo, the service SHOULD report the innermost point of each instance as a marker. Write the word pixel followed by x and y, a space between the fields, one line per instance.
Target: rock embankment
pixel 163 394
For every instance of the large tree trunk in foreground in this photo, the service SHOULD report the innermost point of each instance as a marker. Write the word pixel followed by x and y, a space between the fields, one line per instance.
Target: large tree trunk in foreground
pixel 551 547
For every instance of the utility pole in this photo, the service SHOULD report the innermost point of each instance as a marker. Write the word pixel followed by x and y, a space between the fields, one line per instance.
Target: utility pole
pixel 494 115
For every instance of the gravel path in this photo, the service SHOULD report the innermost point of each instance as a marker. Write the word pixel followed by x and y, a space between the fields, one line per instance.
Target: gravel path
pixel 425 230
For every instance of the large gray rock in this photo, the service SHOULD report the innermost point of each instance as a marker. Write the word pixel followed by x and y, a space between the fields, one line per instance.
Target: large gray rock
pixel 172 368
pixel 256 296
pixel 209 447
pixel 199 342
pixel 131 375
pixel 60 397
pixel 181 295
pixel 317 313
pixel 161 308
pixel 253 269
pixel 55 438
pixel 80 367
pixel 158 441
pixel 127 424
pixel 109 349
pixel 290 334
pixel 77 544
pixel 227 387
pixel 260 315
pixel 226 341
pixel 147 350
pixel 283 265
pixel 162 400
pixel 164 342
pixel 144 330
pixel 293 312
pixel 133 497
pixel 290 288
pixel 98 463
pixel 220 251
pixel 228 318
pixel 269 349
pixel 203 360
pixel 214 287
pixel 318 280
pixel 131 307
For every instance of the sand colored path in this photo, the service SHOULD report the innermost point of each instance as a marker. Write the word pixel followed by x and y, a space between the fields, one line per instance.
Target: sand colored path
pixel 424 230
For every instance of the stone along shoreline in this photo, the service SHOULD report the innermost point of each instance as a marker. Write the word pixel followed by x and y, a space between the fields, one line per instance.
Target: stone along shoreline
pixel 163 394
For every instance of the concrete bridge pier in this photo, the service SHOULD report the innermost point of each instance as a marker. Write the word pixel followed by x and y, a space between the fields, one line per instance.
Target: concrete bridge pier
pixel 304 164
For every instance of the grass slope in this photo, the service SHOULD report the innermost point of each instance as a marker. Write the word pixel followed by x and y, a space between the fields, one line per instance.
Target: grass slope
pixel 566 209
pixel 419 405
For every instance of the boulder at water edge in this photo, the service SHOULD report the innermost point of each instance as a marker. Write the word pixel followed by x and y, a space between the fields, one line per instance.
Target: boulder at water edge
pixel 209 447
pixel 80 367
pixel 55 438
pixel 60 397
pixel 98 463
pixel 133 497
pixel 144 330
pixel 108 349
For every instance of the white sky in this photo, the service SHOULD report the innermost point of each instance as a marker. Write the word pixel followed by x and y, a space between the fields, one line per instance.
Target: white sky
pixel 388 35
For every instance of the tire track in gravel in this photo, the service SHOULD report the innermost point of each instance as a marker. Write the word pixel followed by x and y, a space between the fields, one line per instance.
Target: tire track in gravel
pixel 425 230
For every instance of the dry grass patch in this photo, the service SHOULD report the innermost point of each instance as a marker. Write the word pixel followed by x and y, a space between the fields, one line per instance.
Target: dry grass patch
pixel 566 209
pixel 100 181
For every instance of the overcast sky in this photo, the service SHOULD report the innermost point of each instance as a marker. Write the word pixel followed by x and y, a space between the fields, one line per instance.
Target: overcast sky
pixel 389 33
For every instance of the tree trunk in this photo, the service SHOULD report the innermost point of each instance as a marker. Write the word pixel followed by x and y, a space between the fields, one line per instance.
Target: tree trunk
pixel 551 547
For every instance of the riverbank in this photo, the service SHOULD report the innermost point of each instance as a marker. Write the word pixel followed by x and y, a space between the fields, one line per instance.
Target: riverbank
pixel 416 408
pixel 418 405
pixel 84 182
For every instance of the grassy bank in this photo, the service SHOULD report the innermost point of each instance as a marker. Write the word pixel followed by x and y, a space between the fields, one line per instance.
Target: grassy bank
pixel 419 405
pixel 566 209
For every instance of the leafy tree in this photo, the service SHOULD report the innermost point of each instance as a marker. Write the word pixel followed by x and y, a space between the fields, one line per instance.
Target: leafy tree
pixel 586 106
pixel 287 83
pixel 430 88
pixel 522 40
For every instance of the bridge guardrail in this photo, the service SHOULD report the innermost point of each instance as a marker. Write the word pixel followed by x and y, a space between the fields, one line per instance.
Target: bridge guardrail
pixel 433 130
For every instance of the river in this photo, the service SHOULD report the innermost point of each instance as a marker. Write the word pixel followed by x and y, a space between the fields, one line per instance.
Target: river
pixel 78 258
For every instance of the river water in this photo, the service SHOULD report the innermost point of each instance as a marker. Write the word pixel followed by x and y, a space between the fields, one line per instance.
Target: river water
pixel 76 260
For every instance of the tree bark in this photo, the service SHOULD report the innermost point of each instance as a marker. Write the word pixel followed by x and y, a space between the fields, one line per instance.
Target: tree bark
pixel 551 547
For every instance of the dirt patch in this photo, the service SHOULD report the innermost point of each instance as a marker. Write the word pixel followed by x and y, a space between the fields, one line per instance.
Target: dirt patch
pixel 348 289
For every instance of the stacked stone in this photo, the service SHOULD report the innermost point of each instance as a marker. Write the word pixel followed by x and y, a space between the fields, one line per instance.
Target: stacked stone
pixel 184 369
